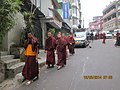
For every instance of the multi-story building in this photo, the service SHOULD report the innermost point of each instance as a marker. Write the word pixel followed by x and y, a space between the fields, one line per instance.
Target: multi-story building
pixel 118 13
pixel 71 13
pixel 96 24
pixel 76 14
pixel 64 12
pixel 53 19
pixel 110 19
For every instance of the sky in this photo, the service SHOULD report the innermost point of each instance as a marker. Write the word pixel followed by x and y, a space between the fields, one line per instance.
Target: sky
pixel 90 8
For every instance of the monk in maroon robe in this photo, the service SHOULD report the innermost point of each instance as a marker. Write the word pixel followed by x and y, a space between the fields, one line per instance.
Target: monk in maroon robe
pixel 31 70
pixel 71 44
pixel 61 51
pixel 104 38
pixel 66 44
pixel 49 49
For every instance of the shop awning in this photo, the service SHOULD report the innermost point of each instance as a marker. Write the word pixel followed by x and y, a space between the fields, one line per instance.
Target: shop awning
pixel 66 26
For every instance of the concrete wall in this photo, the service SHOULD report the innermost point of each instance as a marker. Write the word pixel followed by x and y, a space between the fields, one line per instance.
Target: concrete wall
pixel 44 31
pixel 13 36
pixel 45 4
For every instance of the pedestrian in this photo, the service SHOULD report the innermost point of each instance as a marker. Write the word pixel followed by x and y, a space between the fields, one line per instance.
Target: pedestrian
pixel 61 51
pixel 117 39
pixel 91 36
pixel 71 44
pixel 50 45
pixel 31 69
pixel 66 47
pixel 91 40
pixel 104 38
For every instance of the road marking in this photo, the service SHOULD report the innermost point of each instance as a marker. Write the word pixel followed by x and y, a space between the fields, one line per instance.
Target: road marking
pixel 87 58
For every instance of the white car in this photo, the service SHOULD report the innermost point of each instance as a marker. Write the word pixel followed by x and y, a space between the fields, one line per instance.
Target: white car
pixel 108 35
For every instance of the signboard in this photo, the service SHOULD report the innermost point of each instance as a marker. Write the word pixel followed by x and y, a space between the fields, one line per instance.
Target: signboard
pixel 65 7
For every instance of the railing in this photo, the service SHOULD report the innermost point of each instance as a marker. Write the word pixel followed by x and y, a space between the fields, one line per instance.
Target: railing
pixel 110 13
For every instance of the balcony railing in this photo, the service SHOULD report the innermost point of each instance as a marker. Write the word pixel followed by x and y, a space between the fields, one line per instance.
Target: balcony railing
pixel 109 14
pixel 108 22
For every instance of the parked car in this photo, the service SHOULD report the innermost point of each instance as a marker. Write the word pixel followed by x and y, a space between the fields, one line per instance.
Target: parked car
pixel 108 35
pixel 81 39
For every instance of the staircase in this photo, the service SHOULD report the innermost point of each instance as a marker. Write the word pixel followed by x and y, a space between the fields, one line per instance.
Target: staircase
pixel 12 66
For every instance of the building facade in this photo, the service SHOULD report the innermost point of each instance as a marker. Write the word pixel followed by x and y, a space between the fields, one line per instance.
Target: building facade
pixel 76 14
pixel 53 19
pixel 96 24
pixel 110 18
pixel 71 13
pixel 118 13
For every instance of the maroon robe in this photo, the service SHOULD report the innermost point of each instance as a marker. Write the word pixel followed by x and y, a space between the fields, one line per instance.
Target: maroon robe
pixel 104 37
pixel 31 68
pixel 65 56
pixel 50 47
pixel 71 44
pixel 61 51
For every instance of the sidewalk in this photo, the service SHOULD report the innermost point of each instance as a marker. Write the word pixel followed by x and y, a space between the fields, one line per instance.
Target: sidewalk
pixel 9 84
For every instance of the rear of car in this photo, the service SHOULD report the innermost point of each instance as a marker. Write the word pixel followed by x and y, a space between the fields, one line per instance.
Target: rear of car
pixel 108 35
pixel 80 39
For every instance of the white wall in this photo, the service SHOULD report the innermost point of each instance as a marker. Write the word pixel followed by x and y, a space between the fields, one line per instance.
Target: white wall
pixel 13 36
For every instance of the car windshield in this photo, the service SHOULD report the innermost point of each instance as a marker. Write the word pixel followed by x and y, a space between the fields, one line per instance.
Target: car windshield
pixel 80 34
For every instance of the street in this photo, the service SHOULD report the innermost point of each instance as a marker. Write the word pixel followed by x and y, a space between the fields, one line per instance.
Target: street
pixel 102 60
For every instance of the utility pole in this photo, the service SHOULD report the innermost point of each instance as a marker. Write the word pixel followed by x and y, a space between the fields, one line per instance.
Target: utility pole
pixel 83 22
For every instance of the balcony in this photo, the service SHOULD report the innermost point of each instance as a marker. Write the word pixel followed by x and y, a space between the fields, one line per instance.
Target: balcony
pixel 74 4
pixel 111 24
pixel 74 27
pixel 74 15
pixel 110 5
pixel 109 14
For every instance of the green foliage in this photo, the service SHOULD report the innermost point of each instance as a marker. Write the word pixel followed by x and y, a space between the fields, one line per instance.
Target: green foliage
pixel 28 17
pixel 8 10
pixel 52 30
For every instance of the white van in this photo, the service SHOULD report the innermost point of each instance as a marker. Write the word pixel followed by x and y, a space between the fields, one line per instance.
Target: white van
pixel 80 39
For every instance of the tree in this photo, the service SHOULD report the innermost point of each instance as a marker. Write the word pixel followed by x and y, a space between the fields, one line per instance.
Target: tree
pixel 8 10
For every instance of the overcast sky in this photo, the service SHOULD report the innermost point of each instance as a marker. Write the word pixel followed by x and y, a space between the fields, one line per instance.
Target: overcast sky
pixel 92 8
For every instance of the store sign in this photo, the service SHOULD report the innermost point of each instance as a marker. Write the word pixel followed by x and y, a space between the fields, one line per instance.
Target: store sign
pixel 65 7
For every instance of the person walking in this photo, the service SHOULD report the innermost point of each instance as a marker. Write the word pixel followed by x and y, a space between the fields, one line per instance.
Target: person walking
pixel 91 40
pixel 104 38
pixel 91 36
pixel 61 51
pixel 117 39
pixel 50 45
pixel 71 43
pixel 66 46
pixel 31 69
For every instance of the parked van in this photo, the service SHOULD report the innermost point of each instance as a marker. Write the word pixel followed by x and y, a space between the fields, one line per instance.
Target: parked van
pixel 80 39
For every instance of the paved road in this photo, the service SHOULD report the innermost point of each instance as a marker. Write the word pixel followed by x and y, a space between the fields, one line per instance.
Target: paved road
pixel 102 61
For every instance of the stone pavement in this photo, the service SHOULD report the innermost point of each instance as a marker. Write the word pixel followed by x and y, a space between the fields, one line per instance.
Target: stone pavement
pixel 9 84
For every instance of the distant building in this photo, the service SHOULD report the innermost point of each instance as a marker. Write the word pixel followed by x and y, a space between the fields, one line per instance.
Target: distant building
pixel 96 24
pixel 110 17
pixel 118 13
